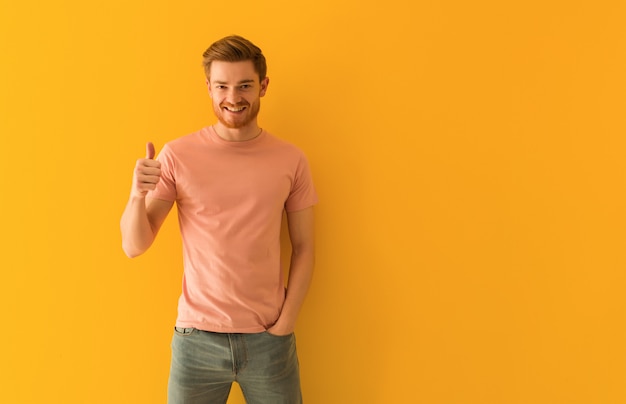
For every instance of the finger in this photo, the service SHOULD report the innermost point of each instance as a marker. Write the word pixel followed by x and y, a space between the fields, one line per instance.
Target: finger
pixel 147 167
pixel 145 163
pixel 149 150
pixel 147 171
pixel 148 178
pixel 144 187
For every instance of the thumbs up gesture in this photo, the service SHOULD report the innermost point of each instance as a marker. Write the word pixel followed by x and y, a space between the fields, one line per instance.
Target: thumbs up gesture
pixel 147 173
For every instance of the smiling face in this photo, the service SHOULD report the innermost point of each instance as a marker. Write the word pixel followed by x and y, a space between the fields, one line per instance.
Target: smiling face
pixel 236 90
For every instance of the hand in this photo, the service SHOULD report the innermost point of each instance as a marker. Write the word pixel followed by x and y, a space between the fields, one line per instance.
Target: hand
pixel 279 330
pixel 147 173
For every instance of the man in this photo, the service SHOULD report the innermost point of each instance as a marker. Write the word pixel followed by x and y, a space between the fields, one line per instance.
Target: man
pixel 231 182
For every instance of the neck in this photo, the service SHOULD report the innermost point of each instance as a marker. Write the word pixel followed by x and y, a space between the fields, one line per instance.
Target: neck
pixel 243 134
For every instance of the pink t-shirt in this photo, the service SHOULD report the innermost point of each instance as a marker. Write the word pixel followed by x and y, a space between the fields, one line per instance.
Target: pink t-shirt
pixel 230 198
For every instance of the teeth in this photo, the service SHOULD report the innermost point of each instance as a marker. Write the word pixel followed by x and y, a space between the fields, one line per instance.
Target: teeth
pixel 234 109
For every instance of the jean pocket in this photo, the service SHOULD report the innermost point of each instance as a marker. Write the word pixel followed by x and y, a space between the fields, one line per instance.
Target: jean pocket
pixel 183 332
pixel 278 336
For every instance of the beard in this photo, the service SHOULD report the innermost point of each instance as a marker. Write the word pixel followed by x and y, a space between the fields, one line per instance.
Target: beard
pixel 233 121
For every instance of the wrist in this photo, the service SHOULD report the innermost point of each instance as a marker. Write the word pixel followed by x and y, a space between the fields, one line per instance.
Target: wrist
pixel 136 196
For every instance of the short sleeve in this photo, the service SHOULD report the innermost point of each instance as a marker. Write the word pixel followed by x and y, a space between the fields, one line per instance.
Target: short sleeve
pixel 303 194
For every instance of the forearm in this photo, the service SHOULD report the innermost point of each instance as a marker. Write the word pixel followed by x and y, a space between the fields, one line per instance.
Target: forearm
pixel 300 274
pixel 137 232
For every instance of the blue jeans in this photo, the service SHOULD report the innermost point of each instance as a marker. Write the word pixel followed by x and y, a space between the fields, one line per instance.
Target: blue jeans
pixel 205 364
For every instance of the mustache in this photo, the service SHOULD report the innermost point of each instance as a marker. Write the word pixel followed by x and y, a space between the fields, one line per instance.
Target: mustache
pixel 238 105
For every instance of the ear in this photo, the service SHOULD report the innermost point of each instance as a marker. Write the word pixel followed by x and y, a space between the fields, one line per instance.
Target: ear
pixel 264 83
pixel 208 85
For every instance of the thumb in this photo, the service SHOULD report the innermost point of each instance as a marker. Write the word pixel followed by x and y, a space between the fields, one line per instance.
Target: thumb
pixel 149 150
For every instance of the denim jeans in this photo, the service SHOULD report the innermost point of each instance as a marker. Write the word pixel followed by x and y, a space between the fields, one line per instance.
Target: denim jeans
pixel 205 364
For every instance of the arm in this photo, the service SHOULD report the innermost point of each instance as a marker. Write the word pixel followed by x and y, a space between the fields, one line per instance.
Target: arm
pixel 143 217
pixel 302 236
pixel 141 222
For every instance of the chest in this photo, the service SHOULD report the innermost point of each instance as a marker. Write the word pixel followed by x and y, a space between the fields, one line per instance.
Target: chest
pixel 216 183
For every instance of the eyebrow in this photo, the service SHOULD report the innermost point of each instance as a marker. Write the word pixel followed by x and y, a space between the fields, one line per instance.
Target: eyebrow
pixel 241 82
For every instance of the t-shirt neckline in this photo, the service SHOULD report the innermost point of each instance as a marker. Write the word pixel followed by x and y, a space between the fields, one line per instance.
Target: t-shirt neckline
pixel 212 134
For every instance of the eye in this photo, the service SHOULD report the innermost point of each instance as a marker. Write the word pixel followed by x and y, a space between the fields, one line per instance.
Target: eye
pixel 245 86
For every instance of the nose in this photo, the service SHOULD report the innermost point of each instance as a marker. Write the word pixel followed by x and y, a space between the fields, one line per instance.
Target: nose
pixel 233 96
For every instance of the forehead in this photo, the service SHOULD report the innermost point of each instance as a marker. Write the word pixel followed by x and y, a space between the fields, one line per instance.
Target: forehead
pixel 233 72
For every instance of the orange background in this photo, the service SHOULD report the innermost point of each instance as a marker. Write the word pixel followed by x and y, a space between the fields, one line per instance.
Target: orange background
pixel 469 158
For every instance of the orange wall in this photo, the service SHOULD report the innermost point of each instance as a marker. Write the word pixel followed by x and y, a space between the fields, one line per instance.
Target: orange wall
pixel 469 156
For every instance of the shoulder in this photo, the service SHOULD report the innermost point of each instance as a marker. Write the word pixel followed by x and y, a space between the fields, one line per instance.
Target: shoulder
pixel 284 146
